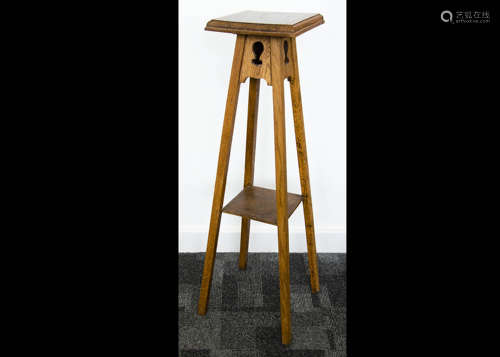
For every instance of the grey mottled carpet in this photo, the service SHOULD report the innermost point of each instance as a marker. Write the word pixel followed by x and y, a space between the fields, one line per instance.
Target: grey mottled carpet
pixel 243 317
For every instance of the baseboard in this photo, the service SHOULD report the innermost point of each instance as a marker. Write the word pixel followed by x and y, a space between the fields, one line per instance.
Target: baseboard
pixel 328 240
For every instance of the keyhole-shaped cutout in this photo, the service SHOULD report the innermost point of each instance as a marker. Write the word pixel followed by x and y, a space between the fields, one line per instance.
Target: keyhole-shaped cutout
pixel 257 48
pixel 285 47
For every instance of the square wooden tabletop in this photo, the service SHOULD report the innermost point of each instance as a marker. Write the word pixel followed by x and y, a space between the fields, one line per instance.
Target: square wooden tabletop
pixel 265 23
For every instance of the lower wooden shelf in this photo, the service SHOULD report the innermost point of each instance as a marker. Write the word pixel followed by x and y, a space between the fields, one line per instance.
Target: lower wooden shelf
pixel 259 204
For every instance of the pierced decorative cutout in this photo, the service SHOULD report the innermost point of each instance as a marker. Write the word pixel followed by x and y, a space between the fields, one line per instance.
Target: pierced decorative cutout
pixel 285 47
pixel 257 48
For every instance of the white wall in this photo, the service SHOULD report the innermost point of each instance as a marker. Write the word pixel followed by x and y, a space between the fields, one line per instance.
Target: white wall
pixel 205 59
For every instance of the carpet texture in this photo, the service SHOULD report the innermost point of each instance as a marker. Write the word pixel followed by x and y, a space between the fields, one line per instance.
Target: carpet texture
pixel 243 317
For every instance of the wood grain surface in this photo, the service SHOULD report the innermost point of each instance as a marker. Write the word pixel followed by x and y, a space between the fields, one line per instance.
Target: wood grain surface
pixel 220 180
pixel 300 139
pixel 253 108
pixel 262 23
pixel 259 204
pixel 281 186
pixel 276 60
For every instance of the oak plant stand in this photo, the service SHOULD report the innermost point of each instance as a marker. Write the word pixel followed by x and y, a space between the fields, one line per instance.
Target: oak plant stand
pixel 265 49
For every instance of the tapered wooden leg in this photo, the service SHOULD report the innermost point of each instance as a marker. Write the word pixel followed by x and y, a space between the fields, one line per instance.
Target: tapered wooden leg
pixel 281 186
pixel 253 105
pixel 303 169
pixel 220 180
